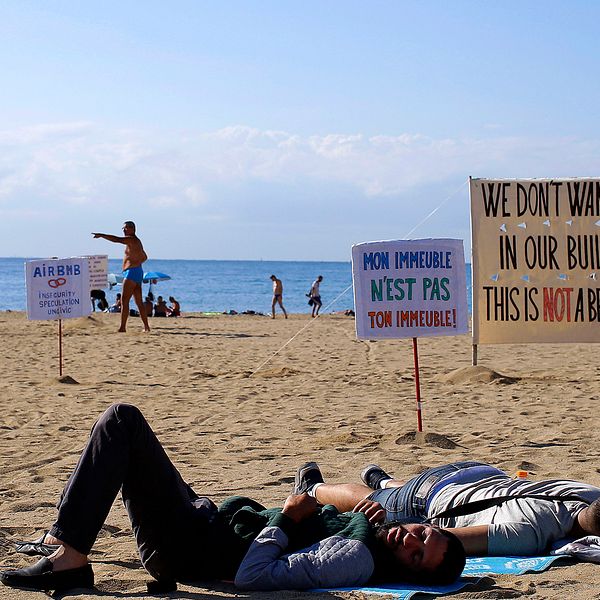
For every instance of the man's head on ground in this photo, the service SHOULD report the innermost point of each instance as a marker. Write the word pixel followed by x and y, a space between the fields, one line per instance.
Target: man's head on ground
pixel 418 553
pixel 320 278
pixel 129 228
pixel 171 299
pixel 272 278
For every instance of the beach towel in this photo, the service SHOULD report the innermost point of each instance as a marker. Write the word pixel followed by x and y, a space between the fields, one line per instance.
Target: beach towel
pixel 586 548
pixel 474 570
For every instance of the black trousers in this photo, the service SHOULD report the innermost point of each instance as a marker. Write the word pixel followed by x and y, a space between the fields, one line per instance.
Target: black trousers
pixel 173 526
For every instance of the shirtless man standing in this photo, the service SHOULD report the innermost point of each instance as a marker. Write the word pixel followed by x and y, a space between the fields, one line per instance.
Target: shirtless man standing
pixel 133 274
pixel 277 296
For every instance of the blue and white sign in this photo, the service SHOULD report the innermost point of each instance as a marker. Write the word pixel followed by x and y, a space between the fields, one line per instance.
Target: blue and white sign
pixel 57 288
pixel 409 288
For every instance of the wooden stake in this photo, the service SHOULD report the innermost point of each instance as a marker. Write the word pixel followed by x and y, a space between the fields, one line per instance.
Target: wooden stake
pixel 60 357
pixel 417 384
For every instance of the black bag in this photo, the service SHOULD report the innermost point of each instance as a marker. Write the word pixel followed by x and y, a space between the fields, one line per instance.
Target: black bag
pixel 311 302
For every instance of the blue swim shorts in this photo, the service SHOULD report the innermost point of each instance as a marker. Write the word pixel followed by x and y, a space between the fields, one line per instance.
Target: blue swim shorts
pixel 134 274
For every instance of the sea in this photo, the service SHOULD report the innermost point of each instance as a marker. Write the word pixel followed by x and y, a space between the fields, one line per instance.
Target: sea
pixel 221 285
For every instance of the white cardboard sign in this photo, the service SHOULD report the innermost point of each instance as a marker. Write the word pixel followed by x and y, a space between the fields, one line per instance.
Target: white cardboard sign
pixel 536 260
pixel 409 288
pixel 57 288
pixel 98 269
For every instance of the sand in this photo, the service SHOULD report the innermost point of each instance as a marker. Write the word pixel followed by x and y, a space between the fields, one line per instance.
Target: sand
pixel 325 397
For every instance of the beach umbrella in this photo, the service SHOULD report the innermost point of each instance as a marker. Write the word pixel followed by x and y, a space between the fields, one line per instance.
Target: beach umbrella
pixel 154 277
pixel 114 279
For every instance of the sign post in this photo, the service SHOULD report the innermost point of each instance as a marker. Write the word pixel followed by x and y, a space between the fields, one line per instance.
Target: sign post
pixel 60 360
pixel 417 384
pixel 410 289
pixel 58 289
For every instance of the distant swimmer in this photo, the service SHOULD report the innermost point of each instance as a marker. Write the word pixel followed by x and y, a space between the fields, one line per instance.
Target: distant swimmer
pixel 133 273
pixel 277 296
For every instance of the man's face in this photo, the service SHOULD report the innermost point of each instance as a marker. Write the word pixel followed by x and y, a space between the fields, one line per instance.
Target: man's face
pixel 416 547
pixel 127 229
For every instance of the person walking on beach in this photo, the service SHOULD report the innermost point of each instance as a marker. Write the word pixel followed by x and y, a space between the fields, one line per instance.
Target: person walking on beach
pixel 133 273
pixel 277 296
pixel 315 296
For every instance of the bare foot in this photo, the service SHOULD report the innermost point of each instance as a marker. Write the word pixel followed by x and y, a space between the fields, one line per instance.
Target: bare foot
pixel 121 330
pixel 67 557
pixel 53 541
pixel 146 329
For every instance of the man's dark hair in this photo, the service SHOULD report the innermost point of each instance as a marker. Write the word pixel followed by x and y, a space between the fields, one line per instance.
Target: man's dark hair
pixel 130 224
pixel 453 562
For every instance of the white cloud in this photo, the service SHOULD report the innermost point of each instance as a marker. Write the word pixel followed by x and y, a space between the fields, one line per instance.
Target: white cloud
pixel 82 163
pixel 40 133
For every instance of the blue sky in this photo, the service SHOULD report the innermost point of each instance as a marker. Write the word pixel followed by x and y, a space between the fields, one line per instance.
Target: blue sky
pixel 281 130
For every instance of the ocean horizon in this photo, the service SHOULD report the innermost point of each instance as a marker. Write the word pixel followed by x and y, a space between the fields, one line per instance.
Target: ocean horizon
pixel 222 285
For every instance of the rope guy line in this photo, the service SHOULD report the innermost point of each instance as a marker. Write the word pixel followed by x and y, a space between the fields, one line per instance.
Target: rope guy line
pixel 458 189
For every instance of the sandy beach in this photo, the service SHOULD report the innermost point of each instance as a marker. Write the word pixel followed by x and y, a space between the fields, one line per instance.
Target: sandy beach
pixel 326 396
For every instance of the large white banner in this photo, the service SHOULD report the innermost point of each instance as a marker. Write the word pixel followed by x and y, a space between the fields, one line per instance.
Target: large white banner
pixel 57 288
pixel 409 288
pixel 536 260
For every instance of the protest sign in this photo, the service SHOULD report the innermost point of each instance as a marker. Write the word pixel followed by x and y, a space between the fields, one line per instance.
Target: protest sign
pixel 536 260
pixel 409 288
pixel 57 288
pixel 98 271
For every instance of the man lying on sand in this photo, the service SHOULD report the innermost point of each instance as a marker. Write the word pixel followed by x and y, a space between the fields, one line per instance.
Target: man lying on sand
pixel 491 513
pixel 182 536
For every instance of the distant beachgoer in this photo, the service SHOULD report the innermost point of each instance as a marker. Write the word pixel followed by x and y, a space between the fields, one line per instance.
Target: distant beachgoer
pixel 100 297
pixel 133 273
pixel 160 308
pixel 174 310
pixel 148 305
pixel 116 307
pixel 315 296
pixel 277 296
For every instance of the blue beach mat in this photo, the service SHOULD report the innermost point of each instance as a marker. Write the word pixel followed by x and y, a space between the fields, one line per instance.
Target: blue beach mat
pixel 474 570
pixel 508 565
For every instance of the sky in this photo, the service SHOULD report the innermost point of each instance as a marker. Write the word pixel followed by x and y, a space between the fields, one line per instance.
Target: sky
pixel 282 130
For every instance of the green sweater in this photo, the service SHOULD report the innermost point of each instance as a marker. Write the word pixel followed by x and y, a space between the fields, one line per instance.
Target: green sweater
pixel 241 519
